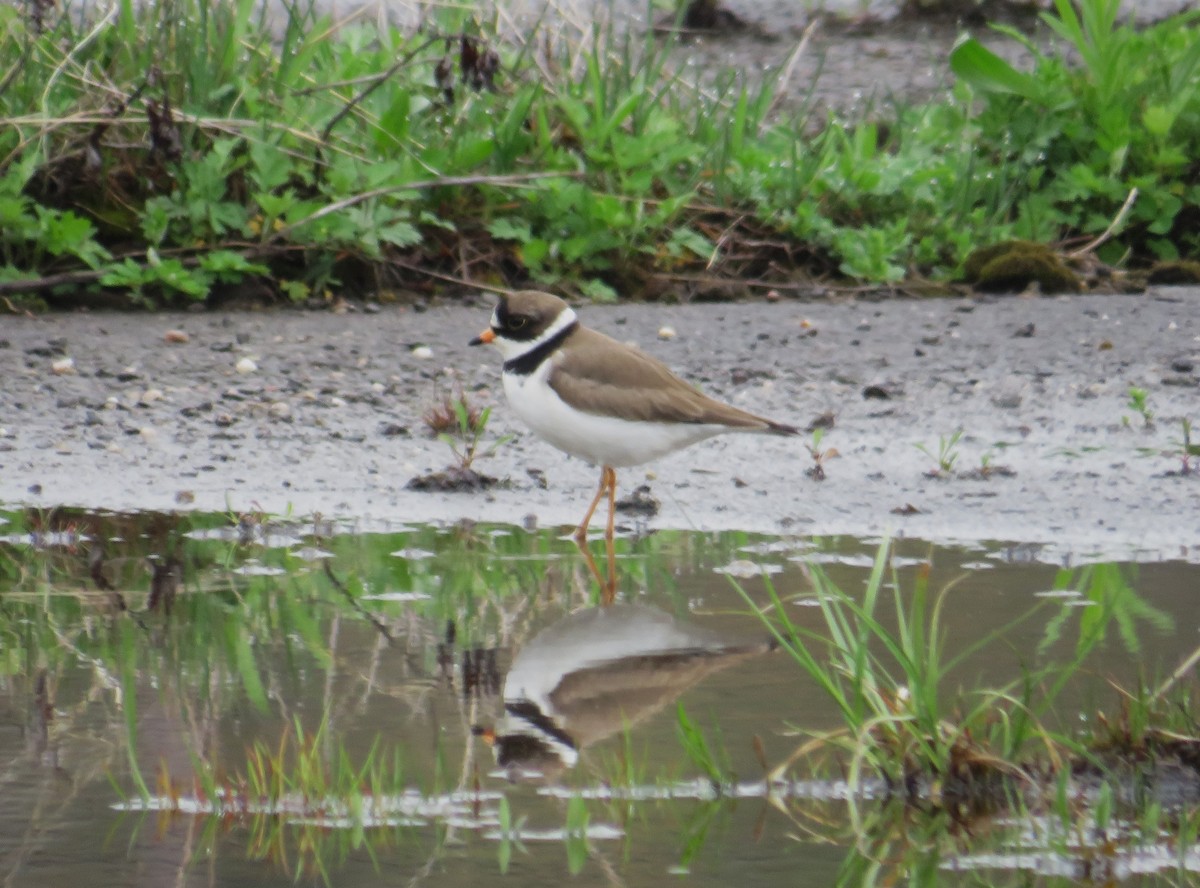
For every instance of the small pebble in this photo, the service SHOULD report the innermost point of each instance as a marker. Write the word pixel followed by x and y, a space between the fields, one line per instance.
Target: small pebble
pixel 149 396
pixel 148 433
pixel 176 336
pixel 422 352
pixel 246 365
pixel 666 332
pixel 63 366
pixel 280 409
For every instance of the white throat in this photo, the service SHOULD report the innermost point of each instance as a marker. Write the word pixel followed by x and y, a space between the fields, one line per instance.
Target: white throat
pixel 510 348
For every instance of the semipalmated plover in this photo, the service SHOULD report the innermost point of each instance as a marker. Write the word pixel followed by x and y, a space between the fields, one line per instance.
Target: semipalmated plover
pixel 600 399
pixel 596 672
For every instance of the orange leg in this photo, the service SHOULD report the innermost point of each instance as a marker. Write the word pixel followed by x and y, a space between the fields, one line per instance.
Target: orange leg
pixel 581 530
pixel 608 537
pixel 591 562
pixel 608 484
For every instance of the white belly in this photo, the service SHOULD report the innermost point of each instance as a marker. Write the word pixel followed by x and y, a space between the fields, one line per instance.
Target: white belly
pixel 602 440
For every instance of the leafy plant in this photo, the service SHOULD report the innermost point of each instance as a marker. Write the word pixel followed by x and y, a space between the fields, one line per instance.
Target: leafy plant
pixel 600 163
pixel 817 470
pixel 465 437
pixel 1186 449
pixel 882 660
pixel 698 750
pixel 1139 402
pixel 1087 135
pixel 946 456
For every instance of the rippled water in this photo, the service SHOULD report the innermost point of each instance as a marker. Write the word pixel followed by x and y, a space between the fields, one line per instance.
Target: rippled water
pixel 387 658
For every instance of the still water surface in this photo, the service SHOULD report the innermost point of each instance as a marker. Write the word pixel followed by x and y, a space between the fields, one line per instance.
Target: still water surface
pixel 387 658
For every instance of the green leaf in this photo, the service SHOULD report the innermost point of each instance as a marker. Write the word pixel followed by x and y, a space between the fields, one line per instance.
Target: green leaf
pixel 66 233
pixel 508 228
pixel 399 233
pixel 275 205
pixel 394 122
pixel 270 166
pixel 470 154
pixel 125 275
pixel 685 238
pixel 173 274
pixel 297 291
pixel 1158 121
pixel 977 65
pixel 156 219
pixel 534 252
pixel 16 222
pixel 505 827
pixel 576 839
pixel 598 291
pixel 247 667
pixel 229 265
pixel 461 414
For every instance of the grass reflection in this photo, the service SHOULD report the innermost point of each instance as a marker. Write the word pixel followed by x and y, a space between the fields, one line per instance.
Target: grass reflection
pixel 235 688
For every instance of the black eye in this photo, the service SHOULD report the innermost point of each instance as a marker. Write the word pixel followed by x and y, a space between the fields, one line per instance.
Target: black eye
pixel 517 322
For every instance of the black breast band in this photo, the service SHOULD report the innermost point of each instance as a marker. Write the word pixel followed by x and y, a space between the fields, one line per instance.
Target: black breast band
pixel 525 364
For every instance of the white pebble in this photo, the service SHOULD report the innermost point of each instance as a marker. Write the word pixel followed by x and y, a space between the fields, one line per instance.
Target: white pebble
pixel 336 402
pixel 112 402
pixel 245 365
pixel 63 366
pixel 666 332
pixel 149 396
pixel 148 433
pixel 422 352
pixel 377 388
pixel 280 409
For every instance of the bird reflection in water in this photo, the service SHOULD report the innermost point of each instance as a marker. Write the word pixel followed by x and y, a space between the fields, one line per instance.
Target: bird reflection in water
pixel 589 675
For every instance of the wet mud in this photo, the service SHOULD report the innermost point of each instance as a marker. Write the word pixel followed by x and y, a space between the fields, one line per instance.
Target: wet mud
pixel 323 414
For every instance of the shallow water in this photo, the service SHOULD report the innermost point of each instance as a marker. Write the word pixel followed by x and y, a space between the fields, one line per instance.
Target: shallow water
pixel 410 642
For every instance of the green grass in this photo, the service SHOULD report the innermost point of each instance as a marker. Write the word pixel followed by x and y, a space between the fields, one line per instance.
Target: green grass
pixel 320 156
pixel 883 661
